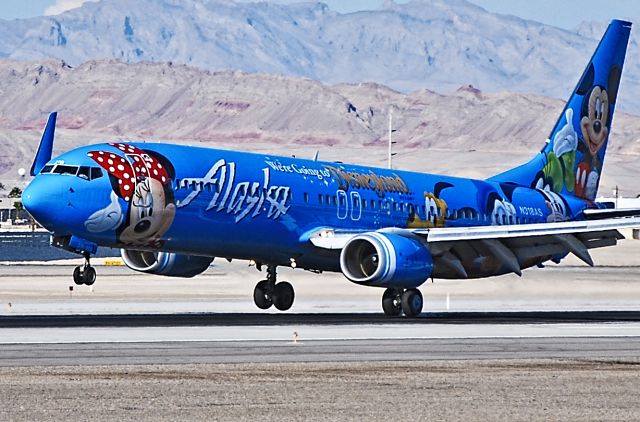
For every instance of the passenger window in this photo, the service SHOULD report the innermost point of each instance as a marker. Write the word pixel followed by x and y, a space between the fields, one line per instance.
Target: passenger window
pixel 328 199
pixel 320 197
pixel 306 197
pixel 335 200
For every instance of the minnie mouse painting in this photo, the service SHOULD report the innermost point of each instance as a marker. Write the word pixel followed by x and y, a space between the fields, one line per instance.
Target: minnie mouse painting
pixel 142 179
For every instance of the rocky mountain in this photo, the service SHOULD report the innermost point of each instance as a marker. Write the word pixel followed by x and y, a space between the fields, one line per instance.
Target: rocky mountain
pixel 101 100
pixel 425 44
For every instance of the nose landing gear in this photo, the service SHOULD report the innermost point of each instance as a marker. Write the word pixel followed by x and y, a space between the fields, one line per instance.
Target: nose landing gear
pixel 84 274
pixel 268 292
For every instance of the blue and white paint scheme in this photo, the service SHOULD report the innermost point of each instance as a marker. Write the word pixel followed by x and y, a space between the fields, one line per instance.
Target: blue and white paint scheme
pixel 172 209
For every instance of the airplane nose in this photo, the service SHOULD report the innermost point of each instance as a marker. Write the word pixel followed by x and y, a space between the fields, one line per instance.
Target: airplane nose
pixel 39 199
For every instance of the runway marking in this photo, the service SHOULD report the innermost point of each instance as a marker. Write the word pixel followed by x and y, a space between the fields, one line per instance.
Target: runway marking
pixel 312 333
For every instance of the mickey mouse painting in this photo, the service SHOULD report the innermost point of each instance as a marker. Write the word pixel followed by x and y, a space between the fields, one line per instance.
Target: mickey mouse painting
pixel 574 159
pixel 595 125
pixel 143 180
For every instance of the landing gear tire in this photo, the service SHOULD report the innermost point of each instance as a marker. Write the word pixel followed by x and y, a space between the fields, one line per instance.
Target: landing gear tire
pixel 268 292
pixel 261 295
pixel 391 302
pixel 78 276
pixel 283 296
pixel 89 276
pixel 412 302
pixel 84 274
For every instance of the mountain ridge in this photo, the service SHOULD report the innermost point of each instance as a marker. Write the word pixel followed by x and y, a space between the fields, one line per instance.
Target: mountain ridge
pixel 179 102
pixel 422 44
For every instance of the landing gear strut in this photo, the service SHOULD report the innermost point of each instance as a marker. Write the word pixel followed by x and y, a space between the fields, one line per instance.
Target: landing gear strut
pixel 268 292
pixel 397 301
pixel 84 274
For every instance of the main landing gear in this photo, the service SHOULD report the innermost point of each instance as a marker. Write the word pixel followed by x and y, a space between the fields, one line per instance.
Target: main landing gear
pixel 268 292
pixel 397 301
pixel 84 274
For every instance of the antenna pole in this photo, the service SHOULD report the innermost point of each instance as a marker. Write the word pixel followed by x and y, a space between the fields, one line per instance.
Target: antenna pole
pixel 390 142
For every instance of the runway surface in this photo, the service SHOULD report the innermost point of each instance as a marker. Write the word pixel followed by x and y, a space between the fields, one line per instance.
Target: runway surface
pixel 262 319
pixel 225 352
pixel 258 338
pixel 140 318
pixel 558 343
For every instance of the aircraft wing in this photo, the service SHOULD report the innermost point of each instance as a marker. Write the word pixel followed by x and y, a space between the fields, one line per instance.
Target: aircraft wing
pixel 509 244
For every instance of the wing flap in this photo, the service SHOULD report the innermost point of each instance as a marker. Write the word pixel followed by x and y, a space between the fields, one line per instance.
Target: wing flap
pixel 576 247
pixel 500 249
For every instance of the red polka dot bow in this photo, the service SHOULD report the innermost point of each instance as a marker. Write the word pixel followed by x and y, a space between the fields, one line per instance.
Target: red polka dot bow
pixel 136 166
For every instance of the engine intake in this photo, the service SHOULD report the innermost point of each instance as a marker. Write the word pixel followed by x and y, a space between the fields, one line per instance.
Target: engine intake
pixel 165 263
pixel 386 260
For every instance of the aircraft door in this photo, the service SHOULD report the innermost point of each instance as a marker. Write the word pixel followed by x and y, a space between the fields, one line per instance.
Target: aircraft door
pixel 343 204
pixel 356 210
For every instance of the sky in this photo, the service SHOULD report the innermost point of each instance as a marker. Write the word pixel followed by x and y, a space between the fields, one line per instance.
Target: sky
pixel 561 13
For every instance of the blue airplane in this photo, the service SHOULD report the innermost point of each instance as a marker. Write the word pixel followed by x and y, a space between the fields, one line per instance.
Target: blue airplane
pixel 172 208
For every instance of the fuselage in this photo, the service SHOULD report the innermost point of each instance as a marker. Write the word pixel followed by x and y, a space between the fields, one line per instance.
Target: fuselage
pixel 240 205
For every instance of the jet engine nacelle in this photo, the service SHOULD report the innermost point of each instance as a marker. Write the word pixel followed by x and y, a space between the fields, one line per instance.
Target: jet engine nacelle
pixel 386 260
pixel 164 263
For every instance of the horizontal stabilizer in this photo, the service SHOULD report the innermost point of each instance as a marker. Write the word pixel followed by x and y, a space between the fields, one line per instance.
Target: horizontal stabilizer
pixel 602 214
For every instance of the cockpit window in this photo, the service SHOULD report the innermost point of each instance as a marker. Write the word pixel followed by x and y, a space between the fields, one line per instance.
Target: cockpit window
pixel 96 173
pixel 46 169
pixel 84 173
pixel 63 169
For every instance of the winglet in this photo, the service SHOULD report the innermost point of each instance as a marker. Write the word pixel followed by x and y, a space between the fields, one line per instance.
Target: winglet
pixel 46 145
